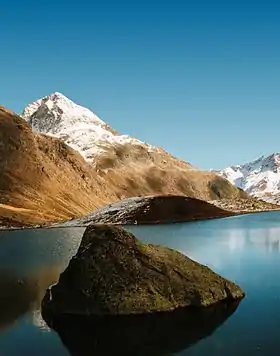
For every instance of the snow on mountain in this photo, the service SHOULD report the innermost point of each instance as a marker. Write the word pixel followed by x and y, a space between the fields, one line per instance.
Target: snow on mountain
pixel 77 126
pixel 260 178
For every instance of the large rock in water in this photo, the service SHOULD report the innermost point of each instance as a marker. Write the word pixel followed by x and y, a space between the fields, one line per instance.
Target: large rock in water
pixel 114 273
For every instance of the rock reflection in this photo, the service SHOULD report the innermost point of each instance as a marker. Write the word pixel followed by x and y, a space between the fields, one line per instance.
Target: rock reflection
pixel 20 295
pixel 154 334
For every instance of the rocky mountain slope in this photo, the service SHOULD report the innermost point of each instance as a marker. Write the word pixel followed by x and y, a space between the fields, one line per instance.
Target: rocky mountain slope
pixel 122 160
pixel 260 178
pixel 61 161
pixel 58 116
pixel 77 126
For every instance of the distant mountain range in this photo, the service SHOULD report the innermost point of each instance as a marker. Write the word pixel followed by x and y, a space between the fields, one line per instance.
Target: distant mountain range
pixel 260 178
pixel 60 160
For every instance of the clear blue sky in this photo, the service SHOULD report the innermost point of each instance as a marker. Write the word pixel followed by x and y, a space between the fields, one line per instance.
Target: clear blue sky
pixel 200 78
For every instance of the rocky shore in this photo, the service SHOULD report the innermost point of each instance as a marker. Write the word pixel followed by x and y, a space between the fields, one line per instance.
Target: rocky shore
pixel 241 206
pixel 163 209
pixel 151 210
pixel 168 209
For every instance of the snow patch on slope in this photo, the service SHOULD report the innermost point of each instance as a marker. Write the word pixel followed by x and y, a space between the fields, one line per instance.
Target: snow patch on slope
pixel 80 128
pixel 260 178
pixel 102 215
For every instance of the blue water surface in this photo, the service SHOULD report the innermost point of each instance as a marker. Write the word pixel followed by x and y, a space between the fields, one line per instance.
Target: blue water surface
pixel 244 249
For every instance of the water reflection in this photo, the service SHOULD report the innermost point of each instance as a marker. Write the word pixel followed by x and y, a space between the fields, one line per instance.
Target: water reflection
pixel 153 334
pixel 15 299
pixel 244 249
pixel 233 238
pixel 22 251
pixel 22 295
pixel 268 239
pixel 31 260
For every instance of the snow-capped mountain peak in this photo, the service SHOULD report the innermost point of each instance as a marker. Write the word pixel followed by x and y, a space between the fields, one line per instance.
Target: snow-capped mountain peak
pixel 64 110
pixel 79 127
pixel 31 108
pixel 261 177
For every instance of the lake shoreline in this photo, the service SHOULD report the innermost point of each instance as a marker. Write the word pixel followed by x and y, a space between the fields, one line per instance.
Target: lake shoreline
pixel 155 210
pixel 243 249
pixel 153 223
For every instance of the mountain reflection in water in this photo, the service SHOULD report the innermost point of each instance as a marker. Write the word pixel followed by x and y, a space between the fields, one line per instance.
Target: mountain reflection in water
pixel 21 295
pixel 244 249
pixel 153 334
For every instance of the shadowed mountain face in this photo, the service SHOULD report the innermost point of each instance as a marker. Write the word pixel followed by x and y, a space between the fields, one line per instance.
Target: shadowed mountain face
pixel 152 334
pixel 151 210
pixel 43 179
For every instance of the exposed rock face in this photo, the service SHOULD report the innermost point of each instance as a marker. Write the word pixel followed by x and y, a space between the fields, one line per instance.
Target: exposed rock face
pixel 131 167
pixel 43 179
pixel 260 177
pixel 115 274
pixel 93 138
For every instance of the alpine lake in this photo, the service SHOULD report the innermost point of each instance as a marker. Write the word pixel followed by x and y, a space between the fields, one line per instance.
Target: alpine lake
pixel 244 249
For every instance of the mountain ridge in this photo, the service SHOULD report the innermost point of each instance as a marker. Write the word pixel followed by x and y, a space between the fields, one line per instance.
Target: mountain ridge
pixel 79 127
pixel 259 177
pixel 110 152
pixel 44 179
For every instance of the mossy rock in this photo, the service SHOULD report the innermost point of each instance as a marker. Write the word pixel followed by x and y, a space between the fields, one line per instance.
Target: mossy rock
pixel 113 273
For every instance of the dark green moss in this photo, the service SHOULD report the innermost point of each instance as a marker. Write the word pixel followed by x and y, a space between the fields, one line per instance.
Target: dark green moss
pixel 114 273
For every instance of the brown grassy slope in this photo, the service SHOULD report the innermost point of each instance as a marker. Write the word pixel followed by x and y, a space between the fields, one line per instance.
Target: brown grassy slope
pixel 118 155
pixel 43 179
pixel 133 170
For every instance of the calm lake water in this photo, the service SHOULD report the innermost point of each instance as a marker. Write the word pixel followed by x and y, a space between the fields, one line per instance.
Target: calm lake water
pixel 244 249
